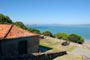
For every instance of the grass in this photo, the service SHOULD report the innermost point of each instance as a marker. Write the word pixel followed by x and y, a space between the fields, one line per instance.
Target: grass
pixel 71 48
pixel 48 43
pixel 56 45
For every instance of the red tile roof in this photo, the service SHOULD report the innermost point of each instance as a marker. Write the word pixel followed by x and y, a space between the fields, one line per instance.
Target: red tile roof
pixel 9 31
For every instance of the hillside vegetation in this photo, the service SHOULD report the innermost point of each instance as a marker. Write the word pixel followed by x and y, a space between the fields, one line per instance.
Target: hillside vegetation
pixel 56 46
pixel 6 20
pixel 72 37
pixel 68 37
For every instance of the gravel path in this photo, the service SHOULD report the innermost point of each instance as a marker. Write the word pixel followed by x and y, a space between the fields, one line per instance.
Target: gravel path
pixel 82 52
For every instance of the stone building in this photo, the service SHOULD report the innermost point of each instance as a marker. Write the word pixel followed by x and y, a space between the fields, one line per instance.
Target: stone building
pixel 16 41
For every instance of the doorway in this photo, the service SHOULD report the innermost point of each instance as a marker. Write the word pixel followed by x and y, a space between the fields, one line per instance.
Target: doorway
pixel 22 47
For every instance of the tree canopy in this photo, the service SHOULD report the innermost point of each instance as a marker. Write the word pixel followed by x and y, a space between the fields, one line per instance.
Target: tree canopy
pixel 61 35
pixel 20 24
pixel 36 31
pixel 76 38
pixel 72 37
pixel 5 19
pixel 47 33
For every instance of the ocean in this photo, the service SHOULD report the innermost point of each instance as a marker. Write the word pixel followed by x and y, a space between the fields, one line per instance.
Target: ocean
pixel 82 30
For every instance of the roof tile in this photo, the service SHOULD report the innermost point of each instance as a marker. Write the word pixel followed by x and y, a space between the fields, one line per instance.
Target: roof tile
pixel 15 32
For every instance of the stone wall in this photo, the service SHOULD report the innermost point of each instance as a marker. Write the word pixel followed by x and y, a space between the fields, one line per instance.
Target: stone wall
pixel 33 44
pixel 10 47
pixel 40 56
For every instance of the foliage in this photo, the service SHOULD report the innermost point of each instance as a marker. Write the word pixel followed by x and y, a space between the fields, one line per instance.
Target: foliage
pixel 61 35
pixel 35 31
pixel 5 19
pixel 29 29
pixel 47 33
pixel 73 37
pixel 21 25
pixel 76 38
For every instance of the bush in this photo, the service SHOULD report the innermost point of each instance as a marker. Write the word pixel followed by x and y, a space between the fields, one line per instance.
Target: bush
pixel 20 24
pixel 61 35
pixel 5 19
pixel 47 33
pixel 36 31
pixel 76 38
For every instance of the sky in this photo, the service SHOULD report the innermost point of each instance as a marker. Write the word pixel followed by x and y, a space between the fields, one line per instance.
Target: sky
pixel 47 11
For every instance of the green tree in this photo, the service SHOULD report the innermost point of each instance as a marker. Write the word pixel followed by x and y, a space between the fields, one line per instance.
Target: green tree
pixel 8 20
pixel 36 31
pixel 5 19
pixel 1 18
pixel 47 33
pixel 20 24
pixel 76 38
pixel 28 29
pixel 61 35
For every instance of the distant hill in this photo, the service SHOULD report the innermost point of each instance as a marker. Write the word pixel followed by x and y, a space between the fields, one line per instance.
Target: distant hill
pixel 36 25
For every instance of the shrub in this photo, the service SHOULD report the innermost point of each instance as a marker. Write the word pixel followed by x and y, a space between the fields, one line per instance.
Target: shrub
pixel 61 35
pixel 36 31
pixel 20 24
pixel 76 38
pixel 47 33
pixel 5 19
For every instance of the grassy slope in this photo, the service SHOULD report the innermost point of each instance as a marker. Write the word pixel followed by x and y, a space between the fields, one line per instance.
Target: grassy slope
pixel 56 46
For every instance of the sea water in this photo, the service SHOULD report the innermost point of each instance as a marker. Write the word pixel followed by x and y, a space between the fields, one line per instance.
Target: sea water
pixel 82 30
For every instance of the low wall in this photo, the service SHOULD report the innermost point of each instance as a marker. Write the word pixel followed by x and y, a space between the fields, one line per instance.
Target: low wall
pixel 38 56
